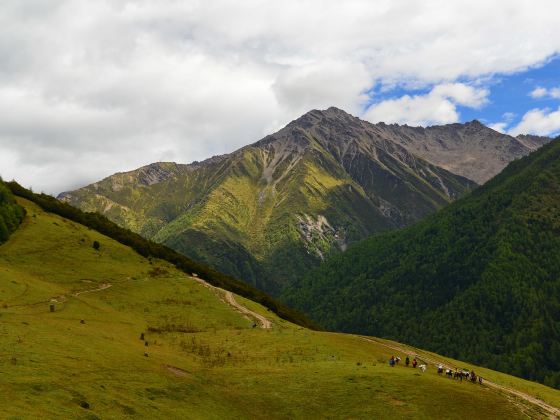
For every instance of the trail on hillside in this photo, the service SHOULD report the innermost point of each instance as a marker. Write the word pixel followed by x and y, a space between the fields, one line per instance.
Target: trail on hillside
pixel 61 298
pixel 264 322
pixel 228 298
pixel 98 289
pixel 553 412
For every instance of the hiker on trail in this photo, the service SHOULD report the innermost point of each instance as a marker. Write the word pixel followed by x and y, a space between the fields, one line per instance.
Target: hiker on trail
pixel 440 369
pixel 392 361
pixel 480 380
pixel 414 362
pixel 407 361
pixel 397 360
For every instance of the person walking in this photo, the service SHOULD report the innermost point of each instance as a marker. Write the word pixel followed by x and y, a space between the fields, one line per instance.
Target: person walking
pixel 414 362
pixel 407 361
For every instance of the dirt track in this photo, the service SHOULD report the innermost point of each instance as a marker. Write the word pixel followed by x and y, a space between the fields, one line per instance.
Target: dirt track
pixel 228 297
pixel 98 289
pixel 264 322
pixel 552 412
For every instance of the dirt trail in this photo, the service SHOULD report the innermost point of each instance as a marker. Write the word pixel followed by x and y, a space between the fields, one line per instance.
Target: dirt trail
pixel 98 289
pixel 265 323
pixel 61 298
pixel 552 412
pixel 176 371
pixel 262 321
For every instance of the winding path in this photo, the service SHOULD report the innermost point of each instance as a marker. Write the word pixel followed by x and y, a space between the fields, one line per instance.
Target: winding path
pixel 98 289
pixel 553 412
pixel 264 322
pixel 228 298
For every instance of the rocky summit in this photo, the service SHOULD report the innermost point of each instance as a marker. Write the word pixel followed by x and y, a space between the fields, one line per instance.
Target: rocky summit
pixel 471 150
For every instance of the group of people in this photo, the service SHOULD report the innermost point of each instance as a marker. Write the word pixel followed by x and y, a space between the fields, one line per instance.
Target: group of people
pixel 394 360
pixel 463 374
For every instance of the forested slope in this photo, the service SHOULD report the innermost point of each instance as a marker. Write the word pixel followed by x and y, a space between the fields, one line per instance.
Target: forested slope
pixel 479 280
pixel 11 214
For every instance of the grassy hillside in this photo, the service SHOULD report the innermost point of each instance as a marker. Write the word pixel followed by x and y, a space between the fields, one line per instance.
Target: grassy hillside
pixel 151 249
pixel 479 280
pixel 10 213
pixel 202 358
pixel 269 211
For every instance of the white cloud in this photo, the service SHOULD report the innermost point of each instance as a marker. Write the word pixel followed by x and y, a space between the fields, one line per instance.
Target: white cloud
pixel 507 119
pixel 540 92
pixel 543 122
pixel 320 85
pixel 462 94
pixel 500 127
pixel 90 88
pixel 439 106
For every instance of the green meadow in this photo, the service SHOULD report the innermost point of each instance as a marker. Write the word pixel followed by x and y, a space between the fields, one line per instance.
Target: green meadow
pixel 199 357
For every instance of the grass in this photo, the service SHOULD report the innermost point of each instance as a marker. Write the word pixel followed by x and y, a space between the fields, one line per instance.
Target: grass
pixel 204 359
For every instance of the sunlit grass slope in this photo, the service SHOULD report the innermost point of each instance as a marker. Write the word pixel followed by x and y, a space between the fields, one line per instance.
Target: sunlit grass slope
pixel 202 358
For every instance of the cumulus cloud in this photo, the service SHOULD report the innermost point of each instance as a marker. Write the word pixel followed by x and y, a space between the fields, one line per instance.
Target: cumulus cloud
pixel 91 88
pixel 543 122
pixel 500 127
pixel 540 92
pixel 507 119
pixel 439 106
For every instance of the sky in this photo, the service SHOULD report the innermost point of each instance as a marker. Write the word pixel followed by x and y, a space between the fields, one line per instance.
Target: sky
pixel 90 88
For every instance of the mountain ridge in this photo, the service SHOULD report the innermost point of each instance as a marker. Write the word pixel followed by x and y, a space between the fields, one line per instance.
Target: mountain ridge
pixel 297 195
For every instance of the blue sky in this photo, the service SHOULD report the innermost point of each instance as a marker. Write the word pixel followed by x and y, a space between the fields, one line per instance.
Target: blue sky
pixel 508 98
pixel 510 95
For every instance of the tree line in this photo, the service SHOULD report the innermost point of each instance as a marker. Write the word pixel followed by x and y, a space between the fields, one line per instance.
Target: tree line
pixel 11 214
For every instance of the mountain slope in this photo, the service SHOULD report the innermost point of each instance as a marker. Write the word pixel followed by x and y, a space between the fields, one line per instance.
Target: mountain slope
pixel 199 357
pixel 151 249
pixel 471 150
pixel 270 210
pixel 479 280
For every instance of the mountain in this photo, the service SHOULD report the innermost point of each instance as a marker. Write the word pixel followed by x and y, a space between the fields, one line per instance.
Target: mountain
pixel 471 150
pixel 131 336
pixel 269 211
pixel 11 214
pixel 478 280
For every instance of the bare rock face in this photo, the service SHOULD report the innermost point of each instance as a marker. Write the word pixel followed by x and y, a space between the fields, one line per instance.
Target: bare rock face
pixel 533 142
pixel 471 150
